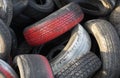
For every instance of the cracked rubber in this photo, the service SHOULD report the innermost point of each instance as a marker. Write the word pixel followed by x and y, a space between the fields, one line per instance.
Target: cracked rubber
pixel 5 41
pixel 6 11
pixel 78 45
pixel 19 6
pixel 38 9
pixel 93 7
pixel 6 70
pixel 33 66
pixel 53 25
pixel 109 45
pixel 81 67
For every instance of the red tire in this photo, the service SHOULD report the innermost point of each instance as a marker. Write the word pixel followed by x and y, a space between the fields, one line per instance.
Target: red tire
pixel 54 25
pixel 33 66
pixel 6 71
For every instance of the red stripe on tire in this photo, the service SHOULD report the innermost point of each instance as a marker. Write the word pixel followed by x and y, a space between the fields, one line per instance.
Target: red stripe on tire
pixel 54 25
pixel 5 73
pixel 47 65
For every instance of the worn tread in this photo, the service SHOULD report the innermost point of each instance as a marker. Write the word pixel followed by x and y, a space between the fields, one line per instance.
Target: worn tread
pixel 54 25
pixel 81 67
pixel 109 43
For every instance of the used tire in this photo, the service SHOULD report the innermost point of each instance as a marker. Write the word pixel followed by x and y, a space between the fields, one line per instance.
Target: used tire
pixel 81 67
pixel 5 41
pixel 33 66
pixel 94 7
pixel 19 6
pixel 115 18
pixel 6 11
pixel 54 25
pixel 14 42
pixel 115 15
pixel 78 45
pixel 6 70
pixel 38 9
pixel 109 45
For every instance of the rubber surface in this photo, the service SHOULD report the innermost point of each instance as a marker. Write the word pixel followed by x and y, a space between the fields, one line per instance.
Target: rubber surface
pixel 19 6
pixel 115 18
pixel 78 45
pixel 54 25
pixel 38 9
pixel 109 45
pixel 33 66
pixel 94 7
pixel 5 41
pixel 14 42
pixel 81 67
pixel 6 71
pixel 6 11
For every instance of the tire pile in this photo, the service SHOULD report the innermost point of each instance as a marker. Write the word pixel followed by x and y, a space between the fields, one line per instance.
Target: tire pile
pixel 59 38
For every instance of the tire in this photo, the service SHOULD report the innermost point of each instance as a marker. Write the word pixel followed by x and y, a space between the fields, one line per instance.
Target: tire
pixel 114 16
pixel 109 44
pixel 54 25
pixel 14 42
pixel 6 11
pixel 6 70
pixel 83 67
pixel 19 6
pixel 78 45
pixel 36 10
pixel 33 66
pixel 94 7
pixel 5 41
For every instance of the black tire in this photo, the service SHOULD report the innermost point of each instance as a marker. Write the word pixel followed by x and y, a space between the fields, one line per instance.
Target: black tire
pixel 33 66
pixel 115 18
pixel 115 15
pixel 83 67
pixel 19 6
pixel 6 70
pixel 78 45
pixel 37 10
pixel 14 42
pixel 5 41
pixel 93 7
pixel 109 45
pixel 6 11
